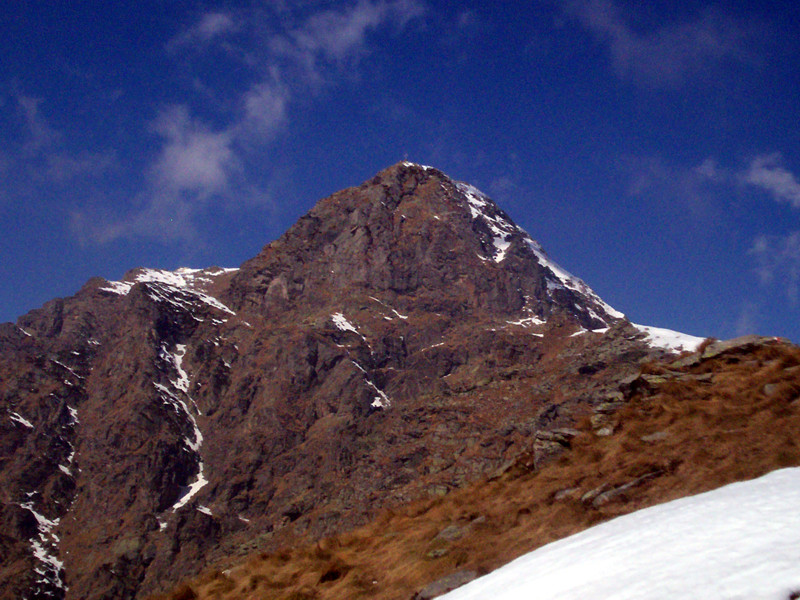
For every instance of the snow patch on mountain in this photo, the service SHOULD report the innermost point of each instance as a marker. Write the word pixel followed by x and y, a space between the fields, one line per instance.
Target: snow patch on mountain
pixel 674 341
pixel 527 321
pixel 193 281
pixel 17 418
pixel 342 323
pixel 379 401
pixel 406 163
pixel 568 280
pixel 739 541
pixel 481 207
pixel 501 229
pixel 45 550
pixel 174 401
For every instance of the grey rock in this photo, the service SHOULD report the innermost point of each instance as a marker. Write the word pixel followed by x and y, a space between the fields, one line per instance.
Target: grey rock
pixel 654 437
pixel 687 361
pixel 451 533
pixel 739 343
pixel 770 389
pixel 608 408
pixel 445 584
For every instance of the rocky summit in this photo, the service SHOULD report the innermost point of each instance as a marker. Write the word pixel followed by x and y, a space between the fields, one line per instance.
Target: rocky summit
pixel 403 339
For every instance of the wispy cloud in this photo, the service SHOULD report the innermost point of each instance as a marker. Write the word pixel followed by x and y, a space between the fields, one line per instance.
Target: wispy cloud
pixel 209 26
pixel 265 109
pixel 39 134
pixel 41 153
pixel 193 158
pixel 194 167
pixel 667 55
pixel 675 184
pixel 778 260
pixel 338 36
pixel 769 173
pixel 748 319
pixel 198 166
pixel 777 256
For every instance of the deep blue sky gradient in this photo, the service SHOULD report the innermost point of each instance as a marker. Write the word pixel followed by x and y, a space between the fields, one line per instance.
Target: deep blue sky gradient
pixel 653 151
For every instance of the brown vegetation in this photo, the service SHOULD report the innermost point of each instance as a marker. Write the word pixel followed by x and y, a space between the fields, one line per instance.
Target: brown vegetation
pixel 680 432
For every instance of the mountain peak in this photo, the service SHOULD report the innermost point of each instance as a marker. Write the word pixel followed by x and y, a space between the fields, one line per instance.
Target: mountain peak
pixel 412 231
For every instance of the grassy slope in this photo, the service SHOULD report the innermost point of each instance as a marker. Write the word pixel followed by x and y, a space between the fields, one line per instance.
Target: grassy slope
pixel 683 436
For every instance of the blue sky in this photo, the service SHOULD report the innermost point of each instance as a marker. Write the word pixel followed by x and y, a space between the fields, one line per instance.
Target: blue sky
pixel 653 150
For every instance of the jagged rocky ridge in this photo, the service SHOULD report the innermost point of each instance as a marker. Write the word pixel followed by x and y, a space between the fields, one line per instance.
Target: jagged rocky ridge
pixel 400 340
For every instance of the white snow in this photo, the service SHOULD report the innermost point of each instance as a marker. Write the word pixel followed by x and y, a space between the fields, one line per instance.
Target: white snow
pixel 175 360
pixel 118 287
pixel 191 489
pixel 342 323
pixel 500 227
pixel 503 229
pixel 45 548
pixel 70 369
pixel 184 278
pixel 180 407
pixel 379 401
pixel 171 399
pixel 73 415
pixel 668 339
pixel 567 279
pixel 741 541
pixel 17 418
pixel 412 164
pixel 205 510
pixel 182 382
pixel 382 303
pixel 527 321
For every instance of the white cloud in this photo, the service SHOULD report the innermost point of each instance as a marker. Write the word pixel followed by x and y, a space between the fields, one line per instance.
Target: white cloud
pixel 210 25
pixel 748 319
pixel 264 109
pixel 193 158
pixel 198 167
pixel 667 55
pixel 768 173
pixel 778 260
pixel 334 36
pixel 40 134
pixel 710 169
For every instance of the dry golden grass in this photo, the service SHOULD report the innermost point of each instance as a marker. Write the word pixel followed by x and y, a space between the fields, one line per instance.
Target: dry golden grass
pixel 682 437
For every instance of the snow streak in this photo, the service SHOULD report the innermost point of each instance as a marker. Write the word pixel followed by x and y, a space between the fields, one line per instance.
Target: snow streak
pixel 45 551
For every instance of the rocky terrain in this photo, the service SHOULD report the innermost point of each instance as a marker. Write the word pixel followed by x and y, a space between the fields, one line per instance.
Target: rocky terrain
pixel 677 428
pixel 402 340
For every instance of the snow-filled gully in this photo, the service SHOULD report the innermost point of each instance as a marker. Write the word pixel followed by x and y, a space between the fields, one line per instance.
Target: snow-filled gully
pixel 45 550
pixel 381 399
pixel 172 398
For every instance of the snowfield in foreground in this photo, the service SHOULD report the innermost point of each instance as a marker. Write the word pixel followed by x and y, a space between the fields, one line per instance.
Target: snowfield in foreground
pixel 741 541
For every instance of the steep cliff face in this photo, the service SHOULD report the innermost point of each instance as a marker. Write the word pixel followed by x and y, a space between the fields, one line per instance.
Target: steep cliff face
pixel 402 339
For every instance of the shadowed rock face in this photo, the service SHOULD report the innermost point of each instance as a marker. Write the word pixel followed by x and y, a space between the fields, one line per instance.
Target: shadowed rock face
pixel 400 340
